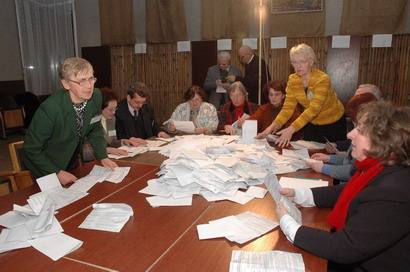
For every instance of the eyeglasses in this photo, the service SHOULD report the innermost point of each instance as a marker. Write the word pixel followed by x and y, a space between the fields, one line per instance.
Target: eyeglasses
pixel 84 82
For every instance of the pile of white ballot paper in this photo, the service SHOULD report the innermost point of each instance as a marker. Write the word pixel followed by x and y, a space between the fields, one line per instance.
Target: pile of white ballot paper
pixel 108 217
pixel 216 167
pixel 276 261
pixel 35 225
pixel 239 228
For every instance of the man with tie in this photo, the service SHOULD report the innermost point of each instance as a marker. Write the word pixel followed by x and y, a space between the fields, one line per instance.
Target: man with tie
pixel 134 117
pixel 250 80
pixel 216 82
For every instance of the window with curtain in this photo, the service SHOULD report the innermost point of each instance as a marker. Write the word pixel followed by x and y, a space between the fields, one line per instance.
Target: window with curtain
pixel 46 38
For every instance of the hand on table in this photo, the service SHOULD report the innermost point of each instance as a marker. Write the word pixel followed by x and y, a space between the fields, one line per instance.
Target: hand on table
pixel 315 165
pixel 117 151
pixel 321 157
pixel 163 134
pixel 108 163
pixel 229 130
pixel 285 136
pixel 200 131
pixel 137 141
pixel 65 177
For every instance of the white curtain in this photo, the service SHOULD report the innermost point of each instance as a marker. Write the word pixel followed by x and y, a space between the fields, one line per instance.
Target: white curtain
pixel 46 39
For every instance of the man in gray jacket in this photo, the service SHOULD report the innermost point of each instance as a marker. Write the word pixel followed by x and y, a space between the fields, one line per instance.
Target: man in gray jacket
pixel 216 83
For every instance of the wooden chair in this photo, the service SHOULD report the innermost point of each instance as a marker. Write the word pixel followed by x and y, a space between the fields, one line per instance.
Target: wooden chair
pixel 19 177
pixel 11 119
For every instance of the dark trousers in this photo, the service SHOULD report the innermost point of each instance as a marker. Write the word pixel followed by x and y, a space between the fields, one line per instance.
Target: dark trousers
pixel 333 132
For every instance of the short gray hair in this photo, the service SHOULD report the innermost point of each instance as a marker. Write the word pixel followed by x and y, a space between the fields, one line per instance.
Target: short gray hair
pixel 224 55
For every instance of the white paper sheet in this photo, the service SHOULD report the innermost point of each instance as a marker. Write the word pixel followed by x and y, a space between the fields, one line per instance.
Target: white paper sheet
pixel 278 261
pixel 157 201
pixel 49 183
pixel 56 246
pixel 256 191
pixel 302 183
pixel 249 131
pixel 108 217
pixel 184 126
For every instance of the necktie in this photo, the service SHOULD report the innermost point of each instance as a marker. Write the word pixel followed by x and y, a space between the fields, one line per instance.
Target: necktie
pixel 135 115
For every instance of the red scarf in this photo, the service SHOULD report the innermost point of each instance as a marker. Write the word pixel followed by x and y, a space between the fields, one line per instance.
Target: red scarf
pixel 367 170
pixel 238 112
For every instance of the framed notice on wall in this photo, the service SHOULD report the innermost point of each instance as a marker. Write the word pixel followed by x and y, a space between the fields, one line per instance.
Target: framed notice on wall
pixel 292 6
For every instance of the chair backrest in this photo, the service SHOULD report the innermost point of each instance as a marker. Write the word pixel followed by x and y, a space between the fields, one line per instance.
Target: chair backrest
pixel 22 177
pixel 15 150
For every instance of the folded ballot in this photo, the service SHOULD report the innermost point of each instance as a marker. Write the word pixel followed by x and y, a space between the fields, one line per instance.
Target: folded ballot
pixel 240 228
pixel 108 217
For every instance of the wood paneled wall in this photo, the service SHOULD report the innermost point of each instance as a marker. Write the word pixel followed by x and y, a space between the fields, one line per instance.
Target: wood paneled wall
pixel 167 72
pixel 388 68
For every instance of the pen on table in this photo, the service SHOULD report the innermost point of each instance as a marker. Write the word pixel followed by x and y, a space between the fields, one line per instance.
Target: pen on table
pixel 330 144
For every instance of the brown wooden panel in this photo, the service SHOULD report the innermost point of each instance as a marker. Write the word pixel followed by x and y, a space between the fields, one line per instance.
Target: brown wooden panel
pixel 204 55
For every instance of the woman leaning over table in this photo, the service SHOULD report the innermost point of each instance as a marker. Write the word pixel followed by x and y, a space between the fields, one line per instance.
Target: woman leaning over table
pixel 195 109
pixel 236 108
pixel 371 213
pixel 310 88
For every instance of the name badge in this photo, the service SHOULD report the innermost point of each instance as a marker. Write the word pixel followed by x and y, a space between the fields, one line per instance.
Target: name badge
pixel 309 95
pixel 112 133
pixel 95 119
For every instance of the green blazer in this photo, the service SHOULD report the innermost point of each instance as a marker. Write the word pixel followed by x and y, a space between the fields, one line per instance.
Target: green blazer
pixel 51 139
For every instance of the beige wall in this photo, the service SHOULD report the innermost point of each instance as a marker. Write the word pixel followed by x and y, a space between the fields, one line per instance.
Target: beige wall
pixel 88 28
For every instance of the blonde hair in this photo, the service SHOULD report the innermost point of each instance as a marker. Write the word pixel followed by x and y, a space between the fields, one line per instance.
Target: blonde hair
pixel 73 66
pixel 304 50
pixel 238 86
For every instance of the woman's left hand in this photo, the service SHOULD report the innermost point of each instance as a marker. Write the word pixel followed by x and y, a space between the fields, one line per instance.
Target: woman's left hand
pixel 163 134
pixel 285 136
pixel 108 163
pixel 229 130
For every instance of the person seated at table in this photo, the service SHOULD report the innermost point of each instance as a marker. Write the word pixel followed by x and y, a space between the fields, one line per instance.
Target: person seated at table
pixel 370 214
pixel 109 106
pixel 134 117
pixel 265 114
pixel 61 124
pixel 195 109
pixel 340 166
pixel 340 146
pixel 238 107
pixel 323 113
pixel 216 83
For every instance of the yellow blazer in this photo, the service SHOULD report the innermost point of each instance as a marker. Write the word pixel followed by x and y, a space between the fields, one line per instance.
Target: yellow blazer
pixel 320 102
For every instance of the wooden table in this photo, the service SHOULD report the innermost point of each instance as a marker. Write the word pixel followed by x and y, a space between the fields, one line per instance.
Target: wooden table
pixel 154 239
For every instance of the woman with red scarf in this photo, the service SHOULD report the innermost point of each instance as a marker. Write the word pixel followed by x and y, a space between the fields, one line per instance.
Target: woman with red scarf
pixel 370 219
pixel 236 109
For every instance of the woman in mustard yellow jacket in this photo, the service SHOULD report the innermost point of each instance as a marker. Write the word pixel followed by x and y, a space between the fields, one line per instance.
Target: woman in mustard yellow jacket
pixel 323 114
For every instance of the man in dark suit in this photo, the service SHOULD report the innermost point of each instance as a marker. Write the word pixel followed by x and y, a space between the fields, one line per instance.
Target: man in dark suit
pixel 216 83
pixel 135 118
pixel 250 80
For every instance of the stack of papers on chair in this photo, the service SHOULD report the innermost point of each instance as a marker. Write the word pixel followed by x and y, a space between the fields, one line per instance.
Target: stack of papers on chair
pixel 35 225
pixel 108 217
pixel 241 228
pixel 280 261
